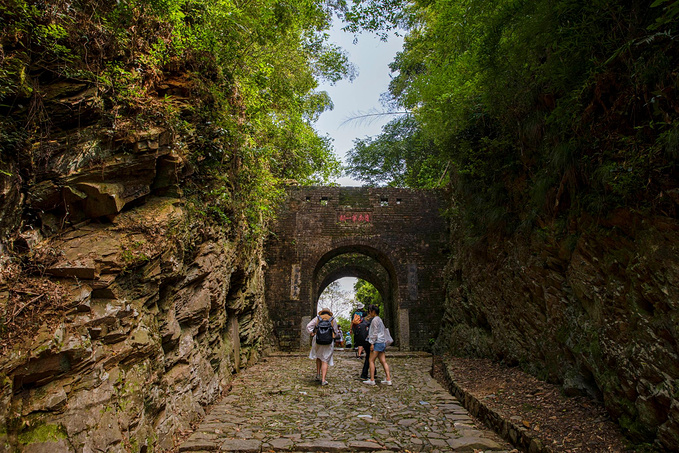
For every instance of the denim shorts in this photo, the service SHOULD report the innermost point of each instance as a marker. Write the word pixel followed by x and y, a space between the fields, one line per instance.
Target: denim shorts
pixel 380 347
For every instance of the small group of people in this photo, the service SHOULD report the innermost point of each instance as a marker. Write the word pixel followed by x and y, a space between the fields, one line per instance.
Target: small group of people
pixel 374 343
pixel 341 340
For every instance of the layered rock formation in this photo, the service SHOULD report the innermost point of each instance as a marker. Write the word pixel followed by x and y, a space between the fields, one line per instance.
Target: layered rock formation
pixel 147 334
pixel 126 310
pixel 596 310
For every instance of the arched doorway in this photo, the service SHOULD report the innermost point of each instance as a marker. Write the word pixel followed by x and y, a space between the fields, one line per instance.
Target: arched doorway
pixel 364 262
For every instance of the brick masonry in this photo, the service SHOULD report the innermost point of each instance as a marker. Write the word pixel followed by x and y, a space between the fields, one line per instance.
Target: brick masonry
pixel 394 238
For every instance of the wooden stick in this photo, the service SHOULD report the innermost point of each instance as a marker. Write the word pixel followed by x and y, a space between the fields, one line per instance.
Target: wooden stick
pixel 16 313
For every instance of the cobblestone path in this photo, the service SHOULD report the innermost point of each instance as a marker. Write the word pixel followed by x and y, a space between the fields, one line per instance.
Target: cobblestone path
pixel 277 405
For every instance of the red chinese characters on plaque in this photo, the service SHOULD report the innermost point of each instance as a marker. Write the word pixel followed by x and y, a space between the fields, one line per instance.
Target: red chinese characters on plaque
pixel 346 217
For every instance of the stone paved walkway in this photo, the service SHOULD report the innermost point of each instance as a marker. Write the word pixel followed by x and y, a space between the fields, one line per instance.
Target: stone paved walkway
pixel 277 405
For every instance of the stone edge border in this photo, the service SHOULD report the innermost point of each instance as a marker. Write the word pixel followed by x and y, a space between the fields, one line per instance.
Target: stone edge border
pixel 517 435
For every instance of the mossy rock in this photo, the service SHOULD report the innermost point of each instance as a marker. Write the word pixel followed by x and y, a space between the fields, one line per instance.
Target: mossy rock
pixel 42 434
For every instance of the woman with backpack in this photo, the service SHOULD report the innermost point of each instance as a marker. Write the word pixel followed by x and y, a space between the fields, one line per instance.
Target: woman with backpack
pixel 324 329
pixel 356 319
pixel 378 345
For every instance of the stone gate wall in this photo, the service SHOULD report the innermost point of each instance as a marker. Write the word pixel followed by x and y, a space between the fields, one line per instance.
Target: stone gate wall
pixel 401 228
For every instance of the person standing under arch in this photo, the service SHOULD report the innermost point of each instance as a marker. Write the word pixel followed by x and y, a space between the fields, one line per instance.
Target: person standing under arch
pixel 322 352
pixel 378 345
pixel 356 320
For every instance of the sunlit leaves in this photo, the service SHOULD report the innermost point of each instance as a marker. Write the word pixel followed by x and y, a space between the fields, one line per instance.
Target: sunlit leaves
pixel 402 156
pixel 533 107
pixel 235 81
pixel 378 16
pixel 367 294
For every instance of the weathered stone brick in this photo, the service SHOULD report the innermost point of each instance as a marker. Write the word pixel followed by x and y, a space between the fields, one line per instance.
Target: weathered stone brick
pixel 393 238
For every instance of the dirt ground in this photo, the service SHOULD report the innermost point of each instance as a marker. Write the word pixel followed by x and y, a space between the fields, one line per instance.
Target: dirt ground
pixel 566 424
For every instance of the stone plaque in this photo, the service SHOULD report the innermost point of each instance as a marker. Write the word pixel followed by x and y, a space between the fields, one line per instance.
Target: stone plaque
pixel 295 281
pixel 354 218
pixel 304 337
pixel 412 281
pixel 404 329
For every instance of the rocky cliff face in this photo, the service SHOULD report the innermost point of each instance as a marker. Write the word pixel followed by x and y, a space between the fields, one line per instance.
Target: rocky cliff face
pixel 125 311
pixel 145 334
pixel 596 310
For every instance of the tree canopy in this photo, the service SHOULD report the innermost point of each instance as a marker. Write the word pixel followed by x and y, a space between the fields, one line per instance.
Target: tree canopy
pixel 336 299
pixel 535 109
pixel 250 73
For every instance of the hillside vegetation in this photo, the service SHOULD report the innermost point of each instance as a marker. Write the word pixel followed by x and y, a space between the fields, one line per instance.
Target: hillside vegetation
pixel 233 81
pixel 534 110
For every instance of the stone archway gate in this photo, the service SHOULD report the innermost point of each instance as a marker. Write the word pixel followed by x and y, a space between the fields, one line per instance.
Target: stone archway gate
pixel 401 230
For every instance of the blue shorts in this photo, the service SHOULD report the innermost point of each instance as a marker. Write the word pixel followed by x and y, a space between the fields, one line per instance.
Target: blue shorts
pixel 380 347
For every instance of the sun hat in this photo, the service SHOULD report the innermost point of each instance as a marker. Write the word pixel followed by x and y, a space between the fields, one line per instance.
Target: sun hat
pixel 325 310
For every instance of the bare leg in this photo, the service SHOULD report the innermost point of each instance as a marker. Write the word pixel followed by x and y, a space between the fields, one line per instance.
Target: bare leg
pixel 324 370
pixel 373 355
pixel 359 351
pixel 318 367
pixel 383 360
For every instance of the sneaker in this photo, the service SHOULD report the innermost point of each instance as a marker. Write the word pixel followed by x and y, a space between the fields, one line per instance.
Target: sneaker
pixel 386 382
pixel 324 383
pixel 318 377
pixel 369 382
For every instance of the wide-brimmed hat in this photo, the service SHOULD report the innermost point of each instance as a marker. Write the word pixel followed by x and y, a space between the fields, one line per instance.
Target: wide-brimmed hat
pixel 325 310
pixel 360 307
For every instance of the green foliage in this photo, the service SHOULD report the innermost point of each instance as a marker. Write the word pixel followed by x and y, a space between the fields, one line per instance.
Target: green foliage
pixel 670 14
pixel 381 17
pixel 344 323
pixel 538 109
pixel 367 294
pixel 401 156
pixel 133 254
pixel 248 73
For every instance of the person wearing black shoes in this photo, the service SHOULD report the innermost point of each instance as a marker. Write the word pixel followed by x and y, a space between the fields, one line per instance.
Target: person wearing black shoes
pixel 356 319
pixel 361 340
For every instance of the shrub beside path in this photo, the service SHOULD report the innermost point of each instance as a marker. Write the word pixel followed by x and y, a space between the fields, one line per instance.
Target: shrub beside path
pixel 276 405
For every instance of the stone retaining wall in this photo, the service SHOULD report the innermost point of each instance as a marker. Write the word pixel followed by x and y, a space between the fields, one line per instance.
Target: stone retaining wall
pixel 518 435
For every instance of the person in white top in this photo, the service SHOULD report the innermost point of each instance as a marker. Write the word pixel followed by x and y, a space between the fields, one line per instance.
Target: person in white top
pixel 378 345
pixel 322 352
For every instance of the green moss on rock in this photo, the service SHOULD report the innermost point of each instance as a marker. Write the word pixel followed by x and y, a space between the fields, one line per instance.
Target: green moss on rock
pixel 42 434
